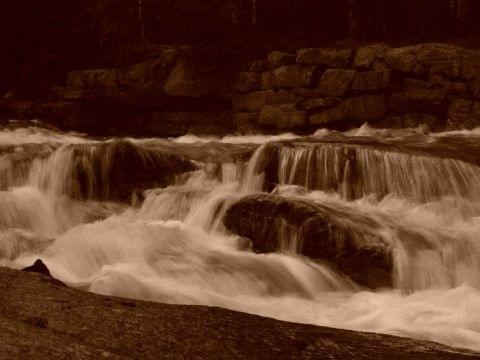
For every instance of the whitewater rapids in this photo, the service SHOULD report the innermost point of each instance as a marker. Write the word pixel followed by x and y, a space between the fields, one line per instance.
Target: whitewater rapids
pixel 172 247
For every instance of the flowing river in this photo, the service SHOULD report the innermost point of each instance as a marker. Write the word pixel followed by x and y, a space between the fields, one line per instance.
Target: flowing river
pixel 143 219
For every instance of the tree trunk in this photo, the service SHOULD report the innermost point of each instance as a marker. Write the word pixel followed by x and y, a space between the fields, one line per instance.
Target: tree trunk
pixel 461 10
pixel 141 20
pixel 353 21
pixel 254 14
pixel 382 21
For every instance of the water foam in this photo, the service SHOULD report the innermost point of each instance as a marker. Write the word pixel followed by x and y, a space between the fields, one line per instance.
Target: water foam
pixel 173 248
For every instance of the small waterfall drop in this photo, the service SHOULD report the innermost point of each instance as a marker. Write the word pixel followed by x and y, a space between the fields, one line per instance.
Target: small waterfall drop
pixel 415 196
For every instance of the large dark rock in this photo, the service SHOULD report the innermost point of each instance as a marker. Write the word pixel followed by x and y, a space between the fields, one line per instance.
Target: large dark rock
pixel 357 110
pixel 291 76
pixel 145 80
pixel 115 170
pixel 411 121
pixel 255 101
pixel 428 59
pixel 38 267
pixel 418 100
pixel 464 113
pixel 282 116
pixel 336 58
pixel 93 79
pixel 336 82
pixel 248 81
pixel 366 56
pixel 318 104
pixel 191 79
pixel 279 58
pixel 371 81
pixel 320 234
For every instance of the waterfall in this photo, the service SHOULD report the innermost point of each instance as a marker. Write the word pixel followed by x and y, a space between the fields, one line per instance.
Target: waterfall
pixel 329 208
pixel 355 172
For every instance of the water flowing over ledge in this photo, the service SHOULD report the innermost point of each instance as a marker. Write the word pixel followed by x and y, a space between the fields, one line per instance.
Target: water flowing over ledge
pixel 371 230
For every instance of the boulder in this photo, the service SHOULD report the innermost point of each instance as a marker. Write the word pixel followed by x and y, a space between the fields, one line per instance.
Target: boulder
pixel 279 58
pixel 321 234
pixel 471 65
pixel 93 79
pixel 308 93
pixel 291 76
pixel 141 83
pixel 336 82
pixel 256 66
pixel 417 100
pixel 317 104
pixel 358 109
pixel 464 113
pixel 411 121
pixel 267 80
pixel 146 79
pixel 366 56
pixel 102 97
pixel 371 81
pixel 415 84
pixel 38 267
pixel 449 87
pixel 254 102
pixel 440 59
pixel 329 116
pixel 402 59
pixel 335 58
pixel 190 79
pixel 115 170
pixel 248 81
pixel 427 59
pixel 282 116
pixel 245 122
pixel 474 89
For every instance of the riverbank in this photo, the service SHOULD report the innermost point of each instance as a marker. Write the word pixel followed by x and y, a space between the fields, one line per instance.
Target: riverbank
pixel 42 319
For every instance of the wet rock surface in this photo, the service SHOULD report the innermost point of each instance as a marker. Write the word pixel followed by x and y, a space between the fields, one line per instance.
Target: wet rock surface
pixel 115 170
pixel 319 232
pixel 39 319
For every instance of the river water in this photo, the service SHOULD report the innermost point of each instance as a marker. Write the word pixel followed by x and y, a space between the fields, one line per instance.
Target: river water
pixel 420 190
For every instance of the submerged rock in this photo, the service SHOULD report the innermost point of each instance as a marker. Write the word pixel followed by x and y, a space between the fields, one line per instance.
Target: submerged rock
pixel 111 170
pixel 277 223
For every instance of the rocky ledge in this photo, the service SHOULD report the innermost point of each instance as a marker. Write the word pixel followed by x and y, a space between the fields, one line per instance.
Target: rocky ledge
pixel 321 232
pixel 183 90
pixel 42 319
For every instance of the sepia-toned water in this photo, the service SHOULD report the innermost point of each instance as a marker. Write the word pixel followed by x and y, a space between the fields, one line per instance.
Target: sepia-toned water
pixel 420 191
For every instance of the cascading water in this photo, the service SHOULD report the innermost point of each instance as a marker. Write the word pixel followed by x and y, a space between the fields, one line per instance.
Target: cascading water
pixel 66 199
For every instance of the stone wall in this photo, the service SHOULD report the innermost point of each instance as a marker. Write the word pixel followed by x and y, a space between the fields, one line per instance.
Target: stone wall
pixel 433 84
pixel 177 91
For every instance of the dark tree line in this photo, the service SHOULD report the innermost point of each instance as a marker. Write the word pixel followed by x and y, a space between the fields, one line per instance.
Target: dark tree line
pixel 57 35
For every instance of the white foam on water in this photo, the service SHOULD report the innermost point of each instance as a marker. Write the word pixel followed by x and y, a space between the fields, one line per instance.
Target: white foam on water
pixel 174 248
